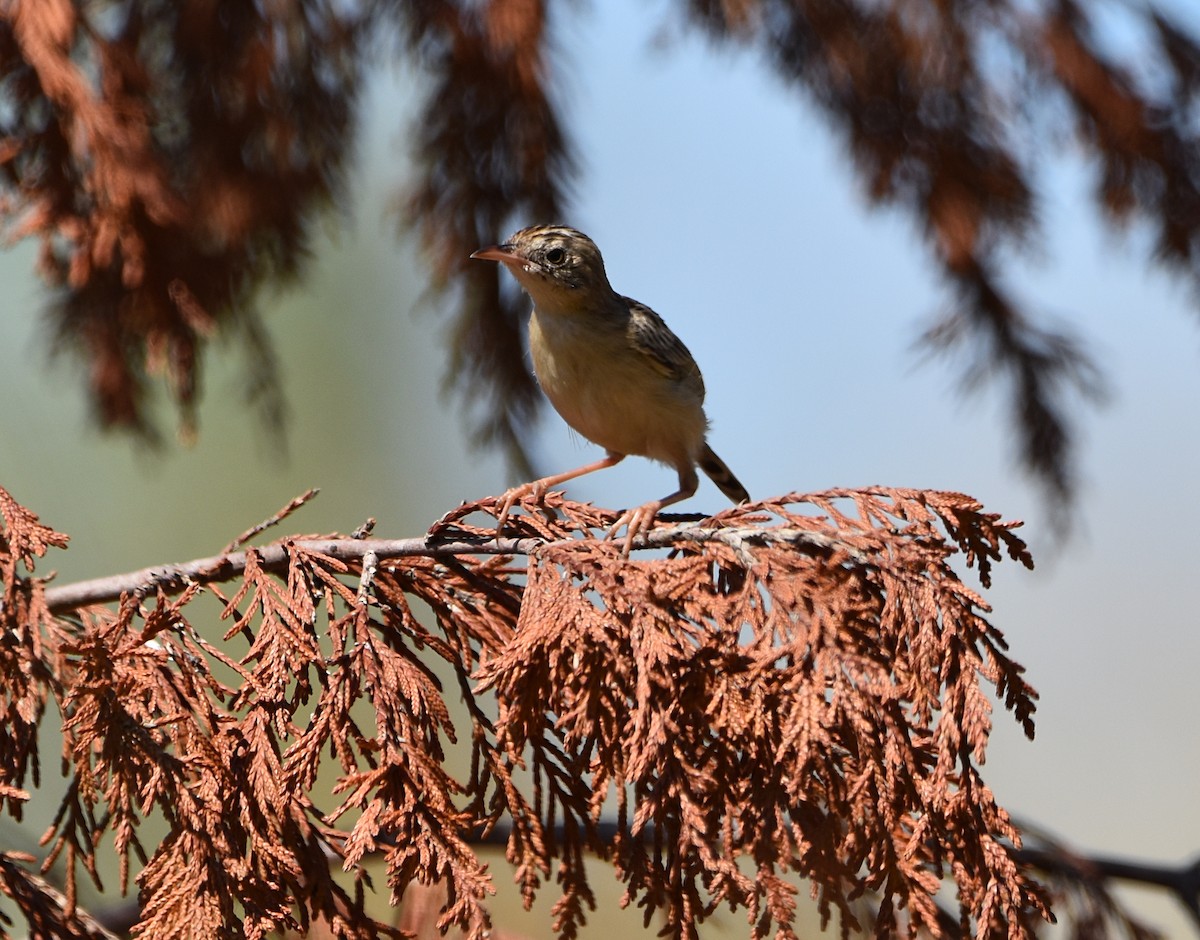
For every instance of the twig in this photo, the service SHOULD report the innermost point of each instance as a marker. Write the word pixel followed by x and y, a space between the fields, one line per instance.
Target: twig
pixel 1181 881
pixel 77 921
pixel 370 563
pixel 172 579
pixel 275 519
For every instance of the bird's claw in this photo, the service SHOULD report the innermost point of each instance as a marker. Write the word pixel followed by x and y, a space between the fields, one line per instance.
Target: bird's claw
pixel 637 522
pixel 536 489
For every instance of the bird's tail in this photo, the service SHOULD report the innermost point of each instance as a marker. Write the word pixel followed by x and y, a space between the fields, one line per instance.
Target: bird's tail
pixel 721 475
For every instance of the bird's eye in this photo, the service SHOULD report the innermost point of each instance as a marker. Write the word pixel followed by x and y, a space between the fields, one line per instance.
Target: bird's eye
pixel 556 256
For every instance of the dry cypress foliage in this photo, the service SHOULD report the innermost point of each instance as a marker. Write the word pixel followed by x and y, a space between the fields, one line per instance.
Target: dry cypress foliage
pixel 171 156
pixel 799 691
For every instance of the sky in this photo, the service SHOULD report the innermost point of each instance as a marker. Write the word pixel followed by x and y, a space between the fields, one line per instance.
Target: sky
pixel 727 206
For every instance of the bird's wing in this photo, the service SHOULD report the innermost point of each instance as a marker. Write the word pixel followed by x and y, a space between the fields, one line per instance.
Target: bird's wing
pixel 650 336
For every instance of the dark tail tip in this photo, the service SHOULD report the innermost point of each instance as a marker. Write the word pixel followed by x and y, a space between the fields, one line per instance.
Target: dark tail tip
pixel 719 472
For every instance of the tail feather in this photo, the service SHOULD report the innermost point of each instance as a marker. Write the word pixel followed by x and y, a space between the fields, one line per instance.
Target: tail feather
pixel 721 475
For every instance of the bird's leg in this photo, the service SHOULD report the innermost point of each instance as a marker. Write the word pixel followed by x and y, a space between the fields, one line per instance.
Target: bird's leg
pixel 639 520
pixel 538 488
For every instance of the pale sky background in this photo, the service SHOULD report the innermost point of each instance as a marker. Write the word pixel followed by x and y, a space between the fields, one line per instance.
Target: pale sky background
pixel 727 206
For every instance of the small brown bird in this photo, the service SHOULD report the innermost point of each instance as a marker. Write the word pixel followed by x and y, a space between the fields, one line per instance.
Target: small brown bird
pixel 611 367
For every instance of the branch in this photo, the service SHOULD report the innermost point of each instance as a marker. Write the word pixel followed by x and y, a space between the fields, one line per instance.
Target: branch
pixel 272 520
pixel 175 578
pixel 1182 881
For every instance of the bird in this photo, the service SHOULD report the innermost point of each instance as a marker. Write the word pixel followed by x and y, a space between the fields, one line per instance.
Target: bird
pixel 612 369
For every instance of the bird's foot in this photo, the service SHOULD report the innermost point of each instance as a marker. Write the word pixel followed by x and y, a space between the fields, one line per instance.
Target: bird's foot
pixel 536 489
pixel 637 522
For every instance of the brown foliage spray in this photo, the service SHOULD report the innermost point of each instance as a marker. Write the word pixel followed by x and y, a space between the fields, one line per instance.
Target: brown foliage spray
pixel 169 156
pixel 798 691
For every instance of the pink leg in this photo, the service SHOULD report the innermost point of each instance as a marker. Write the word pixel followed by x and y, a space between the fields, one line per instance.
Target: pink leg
pixel 639 520
pixel 538 488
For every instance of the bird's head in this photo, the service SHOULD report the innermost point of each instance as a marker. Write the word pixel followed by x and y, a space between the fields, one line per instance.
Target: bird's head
pixel 558 266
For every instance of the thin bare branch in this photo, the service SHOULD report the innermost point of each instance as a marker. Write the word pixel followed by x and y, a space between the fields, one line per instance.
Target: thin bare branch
pixel 271 520
pixel 227 566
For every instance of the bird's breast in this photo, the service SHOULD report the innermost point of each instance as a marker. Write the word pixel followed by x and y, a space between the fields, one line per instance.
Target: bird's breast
pixel 608 391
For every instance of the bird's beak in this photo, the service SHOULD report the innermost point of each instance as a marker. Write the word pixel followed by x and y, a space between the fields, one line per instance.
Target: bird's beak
pixel 501 253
